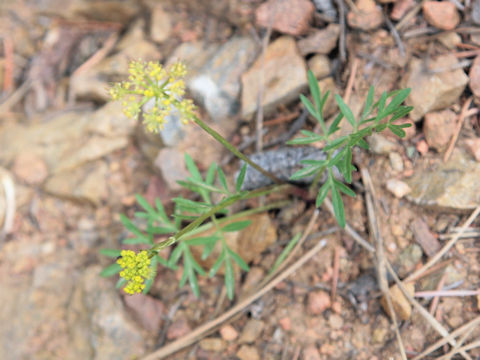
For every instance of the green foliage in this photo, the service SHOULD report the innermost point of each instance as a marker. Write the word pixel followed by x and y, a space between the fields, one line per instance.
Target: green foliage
pixel 198 224
pixel 151 222
pixel 293 241
pixel 375 117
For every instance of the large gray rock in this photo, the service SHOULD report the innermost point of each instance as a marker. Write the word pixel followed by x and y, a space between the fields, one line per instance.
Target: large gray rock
pixel 450 186
pixel 99 320
pixel 434 87
pixel 280 74
pixel 56 313
pixel 217 84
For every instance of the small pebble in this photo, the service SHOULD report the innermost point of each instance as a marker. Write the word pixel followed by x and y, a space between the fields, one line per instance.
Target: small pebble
pixel 335 321
pixel 248 353
pixel 396 161
pixel 318 302
pixel 228 333
pixel 441 14
pixel 212 344
pixel 252 331
pixel 398 188
pixel 285 323
pixel 422 147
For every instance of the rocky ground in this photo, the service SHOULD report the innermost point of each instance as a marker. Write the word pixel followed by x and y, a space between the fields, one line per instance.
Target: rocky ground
pixel 72 162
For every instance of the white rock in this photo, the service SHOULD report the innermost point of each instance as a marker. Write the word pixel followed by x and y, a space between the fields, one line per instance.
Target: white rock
pixel 398 188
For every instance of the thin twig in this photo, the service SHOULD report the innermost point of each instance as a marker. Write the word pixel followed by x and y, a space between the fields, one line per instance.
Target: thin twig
pixel 336 270
pixel 433 322
pixel 342 38
pixel 98 56
pixel 282 119
pixel 372 206
pixel 462 349
pixel 445 293
pixel 351 80
pixel 412 13
pixel 349 230
pixel 395 34
pixel 296 248
pixel 296 126
pixel 432 270
pixel 15 97
pixel 434 304
pixel 212 325
pixel 445 249
pixel 458 128
pixel 9 64
pixel 466 54
pixel 463 329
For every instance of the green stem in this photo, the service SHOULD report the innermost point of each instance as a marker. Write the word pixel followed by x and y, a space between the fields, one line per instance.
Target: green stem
pixel 234 150
pixel 242 214
pixel 198 221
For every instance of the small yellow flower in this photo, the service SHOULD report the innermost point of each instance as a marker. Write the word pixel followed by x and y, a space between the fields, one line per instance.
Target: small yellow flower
pixel 136 268
pixel 148 93
pixel 152 81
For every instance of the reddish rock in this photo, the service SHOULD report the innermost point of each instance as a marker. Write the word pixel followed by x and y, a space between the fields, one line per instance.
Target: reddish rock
pixel 321 41
pixel 438 128
pixel 422 147
pixel 286 16
pixel 433 89
pixel 30 168
pixel 147 310
pixel 228 333
pixel 318 302
pixel 285 323
pixel 368 15
pixel 425 238
pixel 474 147
pixel 178 329
pixel 400 8
pixel 284 75
pixel 441 14
pixel 475 77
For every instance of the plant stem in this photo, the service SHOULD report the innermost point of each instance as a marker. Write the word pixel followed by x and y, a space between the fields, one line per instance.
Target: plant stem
pixel 234 150
pixel 198 221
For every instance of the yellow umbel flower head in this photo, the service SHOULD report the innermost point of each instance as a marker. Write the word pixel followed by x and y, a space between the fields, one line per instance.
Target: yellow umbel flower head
pixel 150 80
pixel 136 268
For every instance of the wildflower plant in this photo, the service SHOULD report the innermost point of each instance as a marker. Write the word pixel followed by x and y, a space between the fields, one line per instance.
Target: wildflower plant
pixel 134 269
pixel 207 213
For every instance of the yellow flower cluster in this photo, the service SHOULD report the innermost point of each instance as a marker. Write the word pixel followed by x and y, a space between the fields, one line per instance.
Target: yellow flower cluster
pixel 150 80
pixel 136 268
